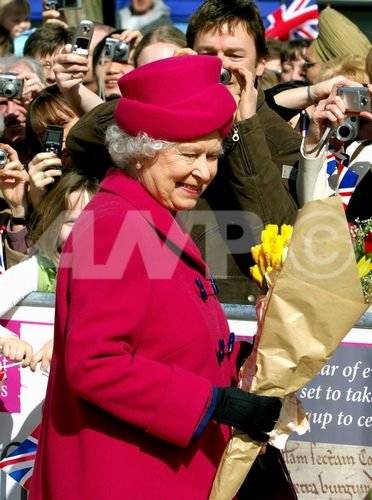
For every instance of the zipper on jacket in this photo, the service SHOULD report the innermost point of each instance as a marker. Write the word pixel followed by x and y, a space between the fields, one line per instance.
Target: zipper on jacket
pixel 235 136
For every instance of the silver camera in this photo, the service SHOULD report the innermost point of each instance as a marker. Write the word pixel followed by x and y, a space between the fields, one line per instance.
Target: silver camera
pixel 349 130
pixel 225 77
pixel 356 99
pixel 116 50
pixel 10 86
pixel 3 158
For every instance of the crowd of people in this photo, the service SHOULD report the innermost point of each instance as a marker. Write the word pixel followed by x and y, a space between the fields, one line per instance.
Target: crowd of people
pixel 165 176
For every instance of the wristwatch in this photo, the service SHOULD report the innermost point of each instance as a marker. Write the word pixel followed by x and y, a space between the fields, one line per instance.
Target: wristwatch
pixel 20 221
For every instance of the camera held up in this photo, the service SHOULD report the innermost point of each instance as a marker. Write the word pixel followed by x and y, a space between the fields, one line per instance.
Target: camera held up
pixel 356 99
pixel 225 77
pixel 3 158
pixel 10 86
pixel 53 139
pixel 116 50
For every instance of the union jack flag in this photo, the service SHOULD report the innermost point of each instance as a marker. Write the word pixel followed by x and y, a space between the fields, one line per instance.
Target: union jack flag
pixel 20 463
pixel 297 20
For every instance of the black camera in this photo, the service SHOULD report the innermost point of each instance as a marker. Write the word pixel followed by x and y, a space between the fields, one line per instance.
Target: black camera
pixel 116 50
pixel 3 158
pixel 63 4
pixel 225 77
pixel 83 37
pixel 356 99
pixel 53 139
pixel 10 86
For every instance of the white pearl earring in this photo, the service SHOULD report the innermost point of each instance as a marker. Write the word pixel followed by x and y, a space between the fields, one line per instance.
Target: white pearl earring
pixel 138 165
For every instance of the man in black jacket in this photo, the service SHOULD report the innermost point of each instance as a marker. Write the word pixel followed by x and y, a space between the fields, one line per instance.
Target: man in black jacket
pixel 255 181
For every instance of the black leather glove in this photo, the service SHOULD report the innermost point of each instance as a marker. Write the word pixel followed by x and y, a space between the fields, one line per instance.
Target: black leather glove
pixel 255 415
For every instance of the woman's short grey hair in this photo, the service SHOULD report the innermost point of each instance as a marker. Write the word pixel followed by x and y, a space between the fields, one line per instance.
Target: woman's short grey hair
pixel 125 149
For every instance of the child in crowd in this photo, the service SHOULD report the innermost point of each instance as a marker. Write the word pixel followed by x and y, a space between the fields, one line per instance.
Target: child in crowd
pixel 53 220
pixel 14 20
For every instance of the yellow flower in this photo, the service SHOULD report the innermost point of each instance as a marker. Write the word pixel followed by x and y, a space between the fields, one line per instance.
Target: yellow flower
pixel 364 266
pixel 256 274
pixel 271 253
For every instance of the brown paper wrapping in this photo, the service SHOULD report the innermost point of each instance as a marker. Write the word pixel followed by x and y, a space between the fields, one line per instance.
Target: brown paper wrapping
pixel 314 302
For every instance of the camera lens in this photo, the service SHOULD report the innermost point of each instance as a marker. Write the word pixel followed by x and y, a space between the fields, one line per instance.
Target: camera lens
pixel 121 52
pixel 8 90
pixel 348 131
pixel 3 158
pixel 225 77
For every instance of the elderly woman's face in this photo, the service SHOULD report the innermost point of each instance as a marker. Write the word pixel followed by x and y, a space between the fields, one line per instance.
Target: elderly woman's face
pixel 182 173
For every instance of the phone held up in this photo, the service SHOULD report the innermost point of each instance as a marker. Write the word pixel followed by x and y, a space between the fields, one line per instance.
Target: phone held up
pixel 83 37
pixel 53 139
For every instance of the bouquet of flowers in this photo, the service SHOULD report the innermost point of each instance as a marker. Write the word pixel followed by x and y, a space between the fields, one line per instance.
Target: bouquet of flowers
pixel 313 298
pixel 361 234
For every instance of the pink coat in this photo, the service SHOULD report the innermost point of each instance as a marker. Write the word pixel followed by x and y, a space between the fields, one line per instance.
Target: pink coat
pixel 135 359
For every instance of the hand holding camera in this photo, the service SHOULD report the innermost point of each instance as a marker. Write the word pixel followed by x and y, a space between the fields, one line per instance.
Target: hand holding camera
pixel 13 181
pixel 338 115
pixel 43 169
pixel 120 47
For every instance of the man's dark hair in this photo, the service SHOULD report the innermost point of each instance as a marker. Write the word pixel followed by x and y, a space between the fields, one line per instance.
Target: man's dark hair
pixel 213 14
pixel 47 39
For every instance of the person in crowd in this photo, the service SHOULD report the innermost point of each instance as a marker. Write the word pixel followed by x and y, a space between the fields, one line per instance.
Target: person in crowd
pixel 337 36
pixel 49 107
pixel 143 15
pixel 45 43
pixel 110 64
pixel 273 68
pixel 14 20
pixel 159 43
pixel 350 135
pixel 296 106
pixel 99 32
pixel 135 383
pixel 255 179
pixel 53 220
pixel 26 83
pixel 293 60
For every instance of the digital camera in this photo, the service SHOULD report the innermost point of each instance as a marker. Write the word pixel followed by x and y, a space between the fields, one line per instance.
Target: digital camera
pixel 356 99
pixel 10 86
pixel 63 4
pixel 225 77
pixel 53 139
pixel 116 50
pixel 3 158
